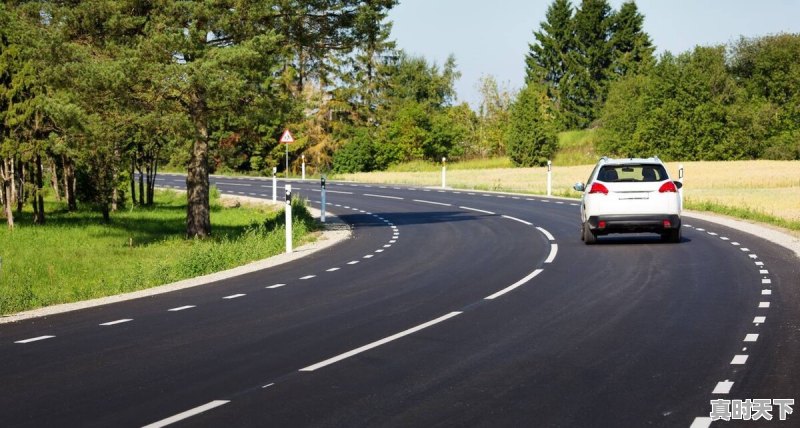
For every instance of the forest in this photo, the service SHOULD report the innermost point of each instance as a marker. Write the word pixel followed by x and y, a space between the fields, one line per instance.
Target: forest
pixel 97 96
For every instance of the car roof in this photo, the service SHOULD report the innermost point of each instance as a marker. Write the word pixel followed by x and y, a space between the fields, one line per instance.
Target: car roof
pixel 624 161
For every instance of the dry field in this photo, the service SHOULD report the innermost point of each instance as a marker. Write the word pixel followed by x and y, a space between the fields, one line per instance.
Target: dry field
pixel 767 187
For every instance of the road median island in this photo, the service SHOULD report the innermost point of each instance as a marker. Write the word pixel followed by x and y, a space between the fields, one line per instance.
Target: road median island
pixel 75 262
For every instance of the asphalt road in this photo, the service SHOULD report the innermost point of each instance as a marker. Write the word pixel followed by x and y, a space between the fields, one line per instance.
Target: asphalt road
pixel 446 308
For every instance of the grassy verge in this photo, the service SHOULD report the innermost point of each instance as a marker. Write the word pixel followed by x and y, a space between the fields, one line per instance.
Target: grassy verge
pixel 76 257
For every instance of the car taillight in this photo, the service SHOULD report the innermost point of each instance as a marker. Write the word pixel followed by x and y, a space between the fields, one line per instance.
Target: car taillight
pixel 668 187
pixel 598 188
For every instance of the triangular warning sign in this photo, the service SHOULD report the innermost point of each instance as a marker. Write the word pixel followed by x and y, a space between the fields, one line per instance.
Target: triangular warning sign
pixel 287 137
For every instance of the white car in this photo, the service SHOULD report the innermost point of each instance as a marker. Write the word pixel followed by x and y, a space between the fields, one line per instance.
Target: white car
pixel 630 196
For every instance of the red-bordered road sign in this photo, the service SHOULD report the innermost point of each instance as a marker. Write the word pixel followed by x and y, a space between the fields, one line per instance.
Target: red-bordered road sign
pixel 286 137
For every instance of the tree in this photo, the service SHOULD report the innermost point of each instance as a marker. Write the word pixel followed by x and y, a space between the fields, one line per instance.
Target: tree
pixel 494 117
pixel 631 48
pixel 531 138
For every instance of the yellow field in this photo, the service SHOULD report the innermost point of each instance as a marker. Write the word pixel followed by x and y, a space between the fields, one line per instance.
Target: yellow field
pixel 769 187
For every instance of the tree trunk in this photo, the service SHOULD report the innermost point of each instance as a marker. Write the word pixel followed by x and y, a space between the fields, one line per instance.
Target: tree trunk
pixel 13 177
pixel 20 185
pixel 69 184
pixel 38 199
pixel 198 220
pixel 152 169
pixel 54 179
pixel 133 180
pixel 141 182
pixel 6 173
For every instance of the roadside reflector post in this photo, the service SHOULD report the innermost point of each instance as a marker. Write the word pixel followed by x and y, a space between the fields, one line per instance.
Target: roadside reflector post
pixel 444 172
pixel 288 218
pixel 549 178
pixel 304 168
pixel 322 216
pixel 274 185
pixel 680 173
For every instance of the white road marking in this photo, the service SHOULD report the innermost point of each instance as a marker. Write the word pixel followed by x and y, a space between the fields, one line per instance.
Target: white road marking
pixel 383 196
pixel 763 271
pixel 308 277
pixel 181 308
pixel 116 322
pixel 699 229
pixel 276 286
pixel 547 234
pixel 712 233
pixel 387 246
pixel 759 320
pixel 701 422
pixel 753 256
pixel 518 220
pixel 560 202
pixel 369 256
pixel 575 205
pixel 751 337
pixel 267 385
pixel 332 269
pixel 379 251
pixel 724 238
pixel 234 296
pixel 766 292
pixel 234 184
pixel 553 252
pixel 35 339
pixel 763 304
pixel 501 196
pixel 739 359
pixel 759 263
pixel 379 343
pixel 514 285
pixel 353 262
pixel 722 387
pixel 187 414
pixel 432 203
pixel 766 281
pixel 735 244
pixel 746 250
pixel 477 210
pixel 392 241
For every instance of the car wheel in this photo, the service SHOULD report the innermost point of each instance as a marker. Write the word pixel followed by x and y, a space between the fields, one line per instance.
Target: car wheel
pixel 673 236
pixel 588 236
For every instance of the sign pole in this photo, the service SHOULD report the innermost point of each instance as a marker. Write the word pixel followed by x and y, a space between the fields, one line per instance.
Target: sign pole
pixel 549 178
pixel 304 167
pixel 274 184
pixel 288 218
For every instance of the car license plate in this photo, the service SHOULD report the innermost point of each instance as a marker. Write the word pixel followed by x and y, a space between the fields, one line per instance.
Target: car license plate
pixel 634 195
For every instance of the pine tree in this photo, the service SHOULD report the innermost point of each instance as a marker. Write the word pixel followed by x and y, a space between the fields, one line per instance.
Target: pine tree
pixel 631 48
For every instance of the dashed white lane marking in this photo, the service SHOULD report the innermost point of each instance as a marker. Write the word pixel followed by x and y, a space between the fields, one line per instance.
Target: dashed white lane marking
pixel 701 422
pixel 234 296
pixel 751 337
pixel 188 414
pixel 723 387
pixel 514 285
pixel 379 251
pixel 766 292
pixel 699 229
pixel 736 244
pixel 739 359
pixel 575 205
pixel 369 256
pixel 759 263
pixel 392 241
pixel 383 196
pixel 553 252
pixel 753 256
pixel 34 339
pixel 759 320
pixel 308 277
pixel 353 262
pixel 725 238
pixel 766 281
pixel 432 203
pixel 547 234
pixel 268 385
pixel 477 210
pixel 379 343
pixel 518 220
pixel 763 271
pixel 332 269
pixel 763 304
pixel 387 246
pixel 116 322
pixel 181 308
pixel 712 233
pixel 276 286
pixel 746 250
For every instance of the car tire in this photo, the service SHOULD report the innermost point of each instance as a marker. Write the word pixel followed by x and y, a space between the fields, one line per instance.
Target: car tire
pixel 589 238
pixel 672 236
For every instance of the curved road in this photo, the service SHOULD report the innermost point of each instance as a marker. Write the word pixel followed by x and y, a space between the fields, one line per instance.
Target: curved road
pixel 446 308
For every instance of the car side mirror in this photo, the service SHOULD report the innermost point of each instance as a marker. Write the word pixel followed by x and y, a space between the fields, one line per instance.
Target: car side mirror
pixel 579 187
pixel 678 184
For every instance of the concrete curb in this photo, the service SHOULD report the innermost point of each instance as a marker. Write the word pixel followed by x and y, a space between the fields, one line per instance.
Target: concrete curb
pixel 335 232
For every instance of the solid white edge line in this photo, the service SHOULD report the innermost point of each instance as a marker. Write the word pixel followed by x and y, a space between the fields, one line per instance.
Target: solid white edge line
pixel 547 234
pixel 187 414
pixel 34 339
pixel 432 203
pixel 517 219
pixel 515 285
pixel 477 210
pixel 701 422
pixel 379 343
pixel 553 252
pixel 117 322
pixel 383 196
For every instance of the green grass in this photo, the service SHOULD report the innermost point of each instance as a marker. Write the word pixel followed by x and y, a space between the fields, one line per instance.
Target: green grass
pixel 742 213
pixel 75 256
pixel 576 148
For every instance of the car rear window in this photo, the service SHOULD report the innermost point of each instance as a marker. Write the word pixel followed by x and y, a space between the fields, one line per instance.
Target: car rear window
pixel 632 173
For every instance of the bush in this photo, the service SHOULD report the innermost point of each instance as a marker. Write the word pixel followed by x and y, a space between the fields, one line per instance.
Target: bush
pixel 531 139
pixel 358 155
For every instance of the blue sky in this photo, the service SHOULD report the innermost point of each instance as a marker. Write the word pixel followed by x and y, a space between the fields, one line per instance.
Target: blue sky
pixel 492 37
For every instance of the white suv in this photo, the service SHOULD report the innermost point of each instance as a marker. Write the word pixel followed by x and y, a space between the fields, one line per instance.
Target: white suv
pixel 630 196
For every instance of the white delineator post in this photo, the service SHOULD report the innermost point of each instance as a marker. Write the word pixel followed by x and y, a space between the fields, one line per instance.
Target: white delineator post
pixel 444 173
pixel 322 193
pixel 680 173
pixel 304 167
pixel 549 178
pixel 288 218
pixel 274 185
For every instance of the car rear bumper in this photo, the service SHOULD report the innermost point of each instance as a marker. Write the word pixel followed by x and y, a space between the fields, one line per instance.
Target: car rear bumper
pixel 606 224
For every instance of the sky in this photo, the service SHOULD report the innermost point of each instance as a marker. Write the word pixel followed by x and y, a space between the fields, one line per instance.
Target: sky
pixel 492 37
